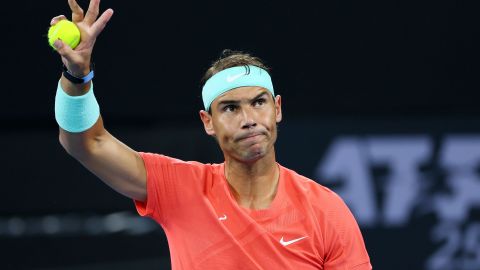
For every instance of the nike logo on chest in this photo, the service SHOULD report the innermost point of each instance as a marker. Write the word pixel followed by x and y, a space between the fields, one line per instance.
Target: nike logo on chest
pixel 286 243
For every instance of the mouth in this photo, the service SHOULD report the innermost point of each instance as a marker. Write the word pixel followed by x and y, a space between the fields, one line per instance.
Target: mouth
pixel 249 136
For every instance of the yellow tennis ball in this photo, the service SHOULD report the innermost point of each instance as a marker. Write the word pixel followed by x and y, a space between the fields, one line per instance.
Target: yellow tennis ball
pixel 66 31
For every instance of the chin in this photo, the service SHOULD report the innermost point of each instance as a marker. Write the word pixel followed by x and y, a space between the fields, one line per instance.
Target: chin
pixel 252 156
pixel 250 153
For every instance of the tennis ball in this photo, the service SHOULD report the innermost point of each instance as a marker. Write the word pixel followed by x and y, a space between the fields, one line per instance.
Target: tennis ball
pixel 66 31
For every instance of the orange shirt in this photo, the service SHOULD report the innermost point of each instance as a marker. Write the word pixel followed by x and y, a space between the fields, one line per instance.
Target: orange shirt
pixel 307 226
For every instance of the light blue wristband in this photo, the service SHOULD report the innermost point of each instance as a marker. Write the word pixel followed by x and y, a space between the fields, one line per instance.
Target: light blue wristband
pixel 76 113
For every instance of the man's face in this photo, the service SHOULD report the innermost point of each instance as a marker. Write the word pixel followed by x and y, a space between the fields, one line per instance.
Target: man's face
pixel 244 121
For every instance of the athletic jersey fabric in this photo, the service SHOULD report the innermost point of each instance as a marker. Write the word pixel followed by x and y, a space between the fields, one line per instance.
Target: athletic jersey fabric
pixel 307 226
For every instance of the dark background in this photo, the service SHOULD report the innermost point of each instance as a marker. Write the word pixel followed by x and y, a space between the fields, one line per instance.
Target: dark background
pixel 342 67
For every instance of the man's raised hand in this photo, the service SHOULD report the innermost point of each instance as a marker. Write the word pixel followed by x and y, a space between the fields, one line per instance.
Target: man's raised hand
pixel 78 60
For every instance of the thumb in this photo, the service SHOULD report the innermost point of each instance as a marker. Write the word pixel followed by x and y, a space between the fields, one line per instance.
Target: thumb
pixel 63 49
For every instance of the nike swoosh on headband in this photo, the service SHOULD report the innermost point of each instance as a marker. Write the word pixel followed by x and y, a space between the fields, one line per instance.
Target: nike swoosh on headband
pixel 231 78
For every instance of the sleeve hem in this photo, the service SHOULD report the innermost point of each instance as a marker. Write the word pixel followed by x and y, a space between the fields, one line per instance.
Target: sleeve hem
pixel 148 207
pixel 362 266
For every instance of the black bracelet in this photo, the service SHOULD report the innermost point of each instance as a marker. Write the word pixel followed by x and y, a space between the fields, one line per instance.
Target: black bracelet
pixel 76 80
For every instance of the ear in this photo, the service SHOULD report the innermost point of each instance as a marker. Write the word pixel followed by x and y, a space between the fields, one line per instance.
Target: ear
pixel 278 108
pixel 207 122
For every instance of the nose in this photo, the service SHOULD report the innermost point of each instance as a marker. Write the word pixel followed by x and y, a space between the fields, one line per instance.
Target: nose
pixel 248 120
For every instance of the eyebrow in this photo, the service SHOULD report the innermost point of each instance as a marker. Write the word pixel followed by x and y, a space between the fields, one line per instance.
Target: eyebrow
pixel 223 102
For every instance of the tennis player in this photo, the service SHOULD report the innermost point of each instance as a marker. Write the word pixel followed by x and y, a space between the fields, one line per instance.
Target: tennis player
pixel 248 212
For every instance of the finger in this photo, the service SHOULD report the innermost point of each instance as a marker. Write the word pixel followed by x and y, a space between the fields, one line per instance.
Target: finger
pixel 92 12
pixel 100 24
pixel 63 49
pixel 58 18
pixel 77 11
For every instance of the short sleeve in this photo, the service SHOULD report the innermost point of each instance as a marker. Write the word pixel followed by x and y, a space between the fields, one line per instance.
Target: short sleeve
pixel 346 248
pixel 168 181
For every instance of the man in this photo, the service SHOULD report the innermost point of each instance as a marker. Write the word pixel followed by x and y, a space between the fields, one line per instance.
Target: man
pixel 246 213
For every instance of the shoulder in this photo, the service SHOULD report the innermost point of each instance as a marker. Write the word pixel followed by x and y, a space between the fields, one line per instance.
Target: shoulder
pixel 315 192
pixel 168 164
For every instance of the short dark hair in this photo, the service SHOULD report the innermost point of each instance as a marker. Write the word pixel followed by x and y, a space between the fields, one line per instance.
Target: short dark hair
pixel 229 58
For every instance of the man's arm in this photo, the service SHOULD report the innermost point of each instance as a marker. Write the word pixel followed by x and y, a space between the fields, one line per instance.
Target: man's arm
pixel 116 164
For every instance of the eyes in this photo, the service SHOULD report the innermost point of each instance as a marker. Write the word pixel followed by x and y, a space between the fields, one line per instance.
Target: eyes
pixel 229 108
pixel 259 102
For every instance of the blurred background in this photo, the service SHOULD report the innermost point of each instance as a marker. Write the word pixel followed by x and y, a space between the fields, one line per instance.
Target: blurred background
pixel 380 103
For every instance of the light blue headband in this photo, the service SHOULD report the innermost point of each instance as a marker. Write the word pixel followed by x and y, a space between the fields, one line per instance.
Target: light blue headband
pixel 234 77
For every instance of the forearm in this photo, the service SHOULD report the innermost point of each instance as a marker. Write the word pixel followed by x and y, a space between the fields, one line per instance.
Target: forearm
pixel 78 144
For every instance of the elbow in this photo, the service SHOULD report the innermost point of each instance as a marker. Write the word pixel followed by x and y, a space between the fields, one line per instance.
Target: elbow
pixel 75 144
pixel 68 145
pixel 63 142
